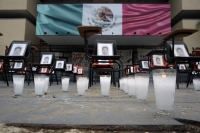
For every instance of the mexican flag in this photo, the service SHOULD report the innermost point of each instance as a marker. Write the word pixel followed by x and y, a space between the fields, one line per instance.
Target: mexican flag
pixel 115 19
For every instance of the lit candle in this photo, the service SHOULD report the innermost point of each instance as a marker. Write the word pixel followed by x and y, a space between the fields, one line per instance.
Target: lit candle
pixel 164 88
pixel 142 85
pixel 120 82
pixel 18 84
pixel 196 83
pixel 125 87
pixel 87 84
pixel 65 83
pixel 105 84
pixel 131 86
pixel 81 85
pixel 46 85
pixel 39 82
pixel 163 75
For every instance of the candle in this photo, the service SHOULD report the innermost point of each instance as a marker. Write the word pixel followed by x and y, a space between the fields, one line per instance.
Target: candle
pixel 131 86
pixel 18 84
pixel 163 75
pixel 87 84
pixel 105 84
pixel 65 83
pixel 120 82
pixel 46 85
pixel 81 85
pixel 39 82
pixel 142 85
pixel 164 87
pixel 125 86
pixel 196 83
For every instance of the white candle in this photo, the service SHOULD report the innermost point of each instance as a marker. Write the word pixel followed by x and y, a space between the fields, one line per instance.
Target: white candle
pixel 131 86
pixel 46 85
pixel 18 84
pixel 125 85
pixel 81 85
pixel 65 83
pixel 142 85
pixel 105 84
pixel 39 83
pixel 120 83
pixel 164 87
pixel 196 83
pixel 87 84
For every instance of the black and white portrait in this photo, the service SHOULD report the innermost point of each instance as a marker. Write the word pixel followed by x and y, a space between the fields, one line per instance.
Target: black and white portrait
pixel 1 63
pixel 105 49
pixel 44 70
pixel 46 59
pixel 18 65
pixel 68 67
pixel 75 69
pixel 80 71
pixel 145 64
pixel 182 67
pixel 158 60
pixel 131 69
pixel 18 50
pixel 59 64
pixel 198 65
pixel 180 50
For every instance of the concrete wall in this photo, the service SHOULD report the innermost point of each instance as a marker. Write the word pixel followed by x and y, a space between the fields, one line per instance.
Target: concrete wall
pixel 29 5
pixel 194 39
pixel 178 25
pixel 32 6
pixel 190 4
pixel 30 33
pixel 178 5
pixel 13 4
pixel 12 29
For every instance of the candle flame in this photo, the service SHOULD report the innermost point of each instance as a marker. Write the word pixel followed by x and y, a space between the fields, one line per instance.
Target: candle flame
pixel 163 75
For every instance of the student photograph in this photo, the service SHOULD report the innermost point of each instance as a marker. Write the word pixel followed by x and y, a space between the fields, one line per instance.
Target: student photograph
pixel 17 51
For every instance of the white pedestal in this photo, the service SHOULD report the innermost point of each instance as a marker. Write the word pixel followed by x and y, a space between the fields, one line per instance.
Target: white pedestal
pixel 196 83
pixel 164 86
pixel 65 83
pixel 131 86
pixel 18 84
pixel 105 84
pixel 81 85
pixel 39 83
pixel 142 85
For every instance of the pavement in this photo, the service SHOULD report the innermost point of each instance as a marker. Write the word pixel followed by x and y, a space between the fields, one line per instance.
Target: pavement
pixel 117 111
